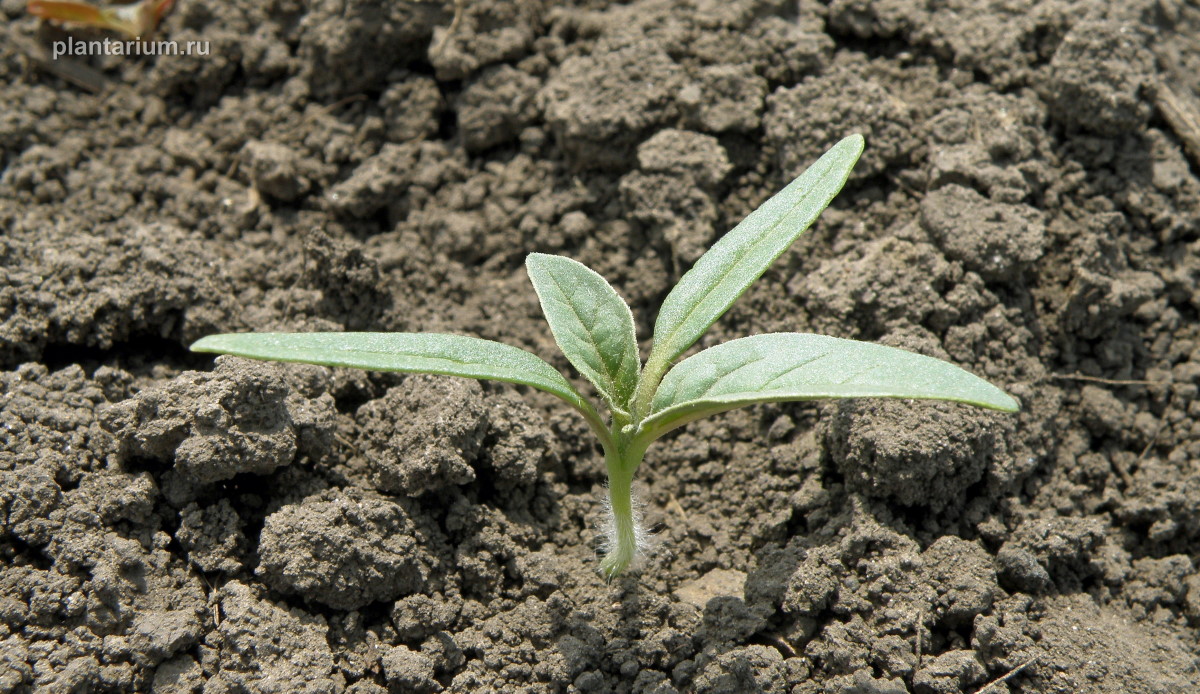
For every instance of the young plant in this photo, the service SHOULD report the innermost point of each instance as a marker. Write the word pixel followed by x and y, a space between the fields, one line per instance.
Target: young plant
pixel 594 328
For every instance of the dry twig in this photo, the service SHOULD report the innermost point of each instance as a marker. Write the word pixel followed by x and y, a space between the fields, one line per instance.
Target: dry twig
pixel 1106 381
pixel 1011 674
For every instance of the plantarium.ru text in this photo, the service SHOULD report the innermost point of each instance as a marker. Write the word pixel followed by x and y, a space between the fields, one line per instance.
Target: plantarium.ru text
pixel 594 328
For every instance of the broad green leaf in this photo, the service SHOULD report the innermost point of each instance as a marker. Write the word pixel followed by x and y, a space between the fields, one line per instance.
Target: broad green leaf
pixel 741 256
pixel 793 366
pixel 435 353
pixel 591 323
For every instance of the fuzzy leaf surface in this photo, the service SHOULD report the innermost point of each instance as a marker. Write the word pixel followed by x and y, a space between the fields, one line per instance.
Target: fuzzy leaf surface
pixel 591 323
pixel 795 366
pixel 741 256
pixel 434 353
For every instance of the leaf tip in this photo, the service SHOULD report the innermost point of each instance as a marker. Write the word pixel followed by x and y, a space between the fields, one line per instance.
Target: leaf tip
pixel 995 398
pixel 1007 403
pixel 856 143
pixel 534 259
pixel 211 343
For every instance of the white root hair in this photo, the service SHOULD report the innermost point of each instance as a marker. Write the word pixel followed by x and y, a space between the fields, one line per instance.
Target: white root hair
pixel 646 541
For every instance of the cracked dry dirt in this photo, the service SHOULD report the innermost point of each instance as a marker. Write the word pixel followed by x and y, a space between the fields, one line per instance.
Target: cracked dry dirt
pixel 1026 208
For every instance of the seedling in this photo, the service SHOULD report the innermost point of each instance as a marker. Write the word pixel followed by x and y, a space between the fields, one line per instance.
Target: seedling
pixel 594 328
pixel 135 21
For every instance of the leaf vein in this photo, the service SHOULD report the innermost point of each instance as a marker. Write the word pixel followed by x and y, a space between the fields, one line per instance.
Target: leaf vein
pixel 790 370
pixel 709 389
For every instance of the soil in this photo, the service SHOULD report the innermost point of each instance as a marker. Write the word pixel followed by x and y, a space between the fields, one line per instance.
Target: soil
pixel 1026 208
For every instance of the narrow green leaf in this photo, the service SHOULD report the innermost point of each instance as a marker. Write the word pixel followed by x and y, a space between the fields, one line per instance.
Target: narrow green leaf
pixel 741 256
pixel 794 366
pixel 591 323
pixel 435 353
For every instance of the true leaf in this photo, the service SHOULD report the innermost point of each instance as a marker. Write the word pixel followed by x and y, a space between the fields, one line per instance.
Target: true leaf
pixel 741 256
pixel 793 366
pixel 591 324
pixel 435 353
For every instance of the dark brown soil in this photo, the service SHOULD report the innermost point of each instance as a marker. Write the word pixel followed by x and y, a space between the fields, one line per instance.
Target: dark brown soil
pixel 1026 207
